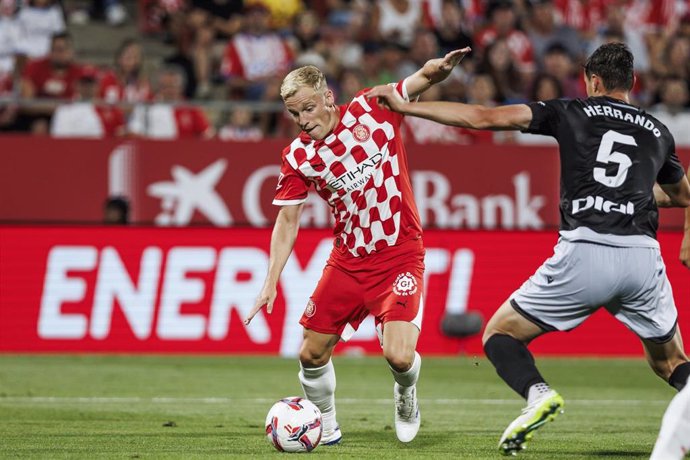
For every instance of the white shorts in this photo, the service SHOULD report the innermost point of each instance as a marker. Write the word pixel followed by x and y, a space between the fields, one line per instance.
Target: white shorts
pixel 581 277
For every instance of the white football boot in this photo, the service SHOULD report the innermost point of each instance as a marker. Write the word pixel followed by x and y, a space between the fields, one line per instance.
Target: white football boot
pixel 541 411
pixel 407 418
pixel 332 438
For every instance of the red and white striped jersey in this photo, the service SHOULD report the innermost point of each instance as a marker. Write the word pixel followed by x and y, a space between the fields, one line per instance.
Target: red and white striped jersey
pixel 360 169
pixel 255 57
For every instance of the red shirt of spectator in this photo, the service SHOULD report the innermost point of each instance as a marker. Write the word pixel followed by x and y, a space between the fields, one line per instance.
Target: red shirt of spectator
pixel 502 25
pixel 112 90
pixel 258 53
pixel 50 81
pixel 5 84
pixel 584 16
pixel 125 82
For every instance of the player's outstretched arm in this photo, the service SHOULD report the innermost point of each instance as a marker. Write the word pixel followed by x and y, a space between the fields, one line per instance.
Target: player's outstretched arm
pixel 472 116
pixel 282 241
pixel 434 71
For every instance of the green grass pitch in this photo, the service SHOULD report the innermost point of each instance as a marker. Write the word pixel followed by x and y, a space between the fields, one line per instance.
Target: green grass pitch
pixel 188 407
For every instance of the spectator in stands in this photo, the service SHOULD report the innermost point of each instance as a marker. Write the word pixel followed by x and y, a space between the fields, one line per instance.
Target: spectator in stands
pixel 240 127
pixel 424 47
pixel 503 25
pixel 618 23
pixel 126 82
pixel 116 211
pixel 39 21
pixel 673 111
pixel 9 40
pixel 255 57
pixel 53 77
pixel 306 33
pixel 84 117
pixel 396 21
pixel 497 62
pixel 282 12
pixel 677 57
pixel 543 31
pixel 585 16
pixel 223 17
pixel 559 64
pixel 168 118
pixel 351 81
pixel 8 111
pixel 208 21
pixel 113 11
pixel 450 28
pixel 342 39
pixel 184 59
pixel 544 88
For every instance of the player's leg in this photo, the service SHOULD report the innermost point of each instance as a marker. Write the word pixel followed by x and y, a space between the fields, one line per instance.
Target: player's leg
pixel 399 349
pixel 558 296
pixel 317 376
pixel 647 308
pixel 505 339
pixel 394 297
pixel 674 436
pixel 668 360
pixel 334 304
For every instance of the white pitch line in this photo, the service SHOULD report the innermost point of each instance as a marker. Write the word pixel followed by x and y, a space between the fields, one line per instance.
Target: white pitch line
pixel 223 400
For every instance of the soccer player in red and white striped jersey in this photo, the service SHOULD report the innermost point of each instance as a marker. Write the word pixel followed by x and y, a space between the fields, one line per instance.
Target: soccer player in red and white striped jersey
pixel 354 157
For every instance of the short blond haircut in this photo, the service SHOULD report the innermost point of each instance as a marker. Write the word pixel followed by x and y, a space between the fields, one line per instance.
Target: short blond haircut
pixel 308 76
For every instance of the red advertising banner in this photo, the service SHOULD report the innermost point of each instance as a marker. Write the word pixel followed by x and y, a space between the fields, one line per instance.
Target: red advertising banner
pixel 225 184
pixel 157 290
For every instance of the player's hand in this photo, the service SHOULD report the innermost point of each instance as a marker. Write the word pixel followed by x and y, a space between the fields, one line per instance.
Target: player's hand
pixel 685 250
pixel 453 58
pixel 387 97
pixel 266 298
pixel 437 70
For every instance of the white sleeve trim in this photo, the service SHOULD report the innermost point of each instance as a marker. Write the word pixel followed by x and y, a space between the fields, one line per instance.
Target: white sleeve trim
pixel 405 94
pixel 288 202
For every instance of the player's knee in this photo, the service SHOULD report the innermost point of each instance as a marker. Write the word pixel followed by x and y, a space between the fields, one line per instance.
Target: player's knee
pixel 399 359
pixel 311 356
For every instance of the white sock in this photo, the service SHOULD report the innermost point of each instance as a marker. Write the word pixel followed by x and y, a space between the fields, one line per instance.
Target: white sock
pixel 536 391
pixel 674 436
pixel 318 384
pixel 408 379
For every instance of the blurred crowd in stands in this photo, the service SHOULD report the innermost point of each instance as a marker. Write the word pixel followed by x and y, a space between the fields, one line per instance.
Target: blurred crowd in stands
pixel 227 58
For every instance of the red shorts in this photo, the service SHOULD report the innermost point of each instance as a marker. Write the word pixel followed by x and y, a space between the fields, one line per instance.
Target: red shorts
pixel 386 284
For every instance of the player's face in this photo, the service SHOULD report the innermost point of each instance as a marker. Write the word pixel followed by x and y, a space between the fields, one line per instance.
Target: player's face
pixel 314 112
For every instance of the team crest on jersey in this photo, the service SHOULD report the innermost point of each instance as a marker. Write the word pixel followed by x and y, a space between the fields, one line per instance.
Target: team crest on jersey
pixel 405 284
pixel 361 132
pixel 310 310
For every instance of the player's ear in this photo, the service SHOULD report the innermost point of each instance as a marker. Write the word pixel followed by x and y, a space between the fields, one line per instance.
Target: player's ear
pixel 329 97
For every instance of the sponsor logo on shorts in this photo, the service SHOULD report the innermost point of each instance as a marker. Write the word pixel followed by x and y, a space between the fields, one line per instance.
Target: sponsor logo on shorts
pixel 405 284
pixel 361 132
pixel 310 310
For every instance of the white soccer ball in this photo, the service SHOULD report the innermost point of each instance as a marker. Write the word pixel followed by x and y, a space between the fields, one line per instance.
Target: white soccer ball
pixel 294 425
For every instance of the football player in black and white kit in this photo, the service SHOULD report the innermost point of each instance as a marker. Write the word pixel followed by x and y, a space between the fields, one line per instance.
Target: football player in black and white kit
pixel 612 154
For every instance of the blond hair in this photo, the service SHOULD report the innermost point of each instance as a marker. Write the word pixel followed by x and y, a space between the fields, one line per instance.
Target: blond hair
pixel 308 76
